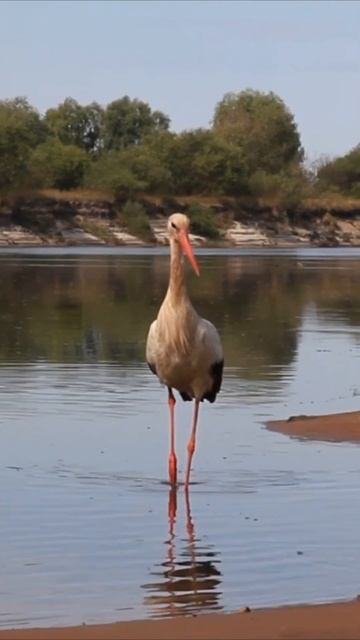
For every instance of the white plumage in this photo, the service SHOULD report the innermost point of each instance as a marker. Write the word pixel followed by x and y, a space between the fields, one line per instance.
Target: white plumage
pixel 185 367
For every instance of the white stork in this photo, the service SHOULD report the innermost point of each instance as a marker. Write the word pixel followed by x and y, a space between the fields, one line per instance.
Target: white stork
pixel 182 349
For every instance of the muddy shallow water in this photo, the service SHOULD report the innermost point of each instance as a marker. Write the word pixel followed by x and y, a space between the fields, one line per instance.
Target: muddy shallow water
pixel 85 534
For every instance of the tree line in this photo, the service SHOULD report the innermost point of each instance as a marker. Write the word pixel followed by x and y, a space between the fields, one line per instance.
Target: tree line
pixel 251 148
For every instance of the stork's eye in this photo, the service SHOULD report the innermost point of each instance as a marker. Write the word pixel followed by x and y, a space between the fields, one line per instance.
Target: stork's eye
pixel 174 226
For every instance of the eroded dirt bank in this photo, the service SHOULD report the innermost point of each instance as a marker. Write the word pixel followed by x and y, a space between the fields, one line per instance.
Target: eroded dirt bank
pixel 52 221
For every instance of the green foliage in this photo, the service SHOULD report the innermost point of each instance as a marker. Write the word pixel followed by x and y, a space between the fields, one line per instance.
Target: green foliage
pixel 133 217
pixel 57 165
pixel 75 124
pixel 293 188
pixel 220 167
pixel 127 122
pixel 96 228
pixel 342 174
pixel 287 188
pixel 128 172
pixel 147 167
pixel 109 173
pixel 262 126
pixel 198 162
pixel 20 131
pixel 252 150
pixel 178 154
pixel 262 184
pixel 203 222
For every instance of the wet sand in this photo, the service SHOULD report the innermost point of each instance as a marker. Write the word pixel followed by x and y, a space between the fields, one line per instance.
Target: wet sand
pixel 311 622
pixel 336 427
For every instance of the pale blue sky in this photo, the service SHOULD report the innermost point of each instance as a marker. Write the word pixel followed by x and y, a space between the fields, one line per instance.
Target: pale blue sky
pixel 182 56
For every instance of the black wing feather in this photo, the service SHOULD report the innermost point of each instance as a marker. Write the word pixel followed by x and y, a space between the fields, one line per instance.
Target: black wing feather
pixel 216 372
pixel 152 367
pixel 185 396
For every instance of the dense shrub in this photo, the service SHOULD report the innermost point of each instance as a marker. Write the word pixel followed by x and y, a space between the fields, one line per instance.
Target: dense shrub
pixel 287 189
pixel 58 165
pixel 109 173
pixel 342 174
pixel 133 216
pixel 129 172
pixel 203 222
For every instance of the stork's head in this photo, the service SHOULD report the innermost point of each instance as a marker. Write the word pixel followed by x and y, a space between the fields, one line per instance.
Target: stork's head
pixel 178 229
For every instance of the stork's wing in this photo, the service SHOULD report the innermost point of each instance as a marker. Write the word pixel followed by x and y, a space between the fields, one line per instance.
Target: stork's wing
pixel 212 347
pixel 150 348
pixel 210 342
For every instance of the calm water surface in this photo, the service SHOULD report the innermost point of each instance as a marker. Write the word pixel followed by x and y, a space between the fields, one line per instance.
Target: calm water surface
pixel 85 533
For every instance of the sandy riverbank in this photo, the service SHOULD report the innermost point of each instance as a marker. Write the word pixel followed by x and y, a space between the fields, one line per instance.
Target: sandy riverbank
pixel 336 427
pixel 311 622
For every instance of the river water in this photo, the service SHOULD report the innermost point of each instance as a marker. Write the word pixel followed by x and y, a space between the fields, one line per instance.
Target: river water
pixel 85 533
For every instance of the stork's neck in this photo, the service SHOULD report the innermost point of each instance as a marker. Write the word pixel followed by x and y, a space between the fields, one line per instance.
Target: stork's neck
pixel 177 287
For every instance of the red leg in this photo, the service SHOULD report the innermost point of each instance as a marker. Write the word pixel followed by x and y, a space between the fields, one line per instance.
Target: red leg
pixel 192 442
pixel 172 455
pixel 172 510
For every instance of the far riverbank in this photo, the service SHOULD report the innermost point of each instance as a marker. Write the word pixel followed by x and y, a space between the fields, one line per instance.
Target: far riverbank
pixel 75 219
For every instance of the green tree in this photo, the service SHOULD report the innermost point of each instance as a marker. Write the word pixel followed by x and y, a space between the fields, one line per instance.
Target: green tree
pixel 58 165
pixel 181 153
pixel 146 166
pixel 219 167
pixel 128 121
pixel 342 174
pixel 200 161
pixel 21 130
pixel 287 189
pixel 75 124
pixel 111 174
pixel 132 170
pixel 262 126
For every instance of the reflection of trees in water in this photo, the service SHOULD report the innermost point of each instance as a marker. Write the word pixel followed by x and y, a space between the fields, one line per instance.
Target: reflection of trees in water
pixel 93 309
pixel 187 582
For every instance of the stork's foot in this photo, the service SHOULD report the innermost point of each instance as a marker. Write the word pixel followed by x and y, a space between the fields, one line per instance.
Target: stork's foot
pixel 172 469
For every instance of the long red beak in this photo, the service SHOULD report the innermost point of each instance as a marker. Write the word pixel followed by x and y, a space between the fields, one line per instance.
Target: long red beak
pixel 187 250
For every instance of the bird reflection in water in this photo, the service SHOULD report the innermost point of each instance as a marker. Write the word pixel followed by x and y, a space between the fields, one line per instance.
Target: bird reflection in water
pixel 188 581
